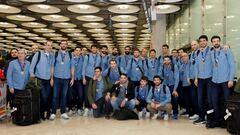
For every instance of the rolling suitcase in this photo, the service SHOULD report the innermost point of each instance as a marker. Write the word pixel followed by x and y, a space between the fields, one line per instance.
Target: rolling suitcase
pixel 27 104
pixel 233 114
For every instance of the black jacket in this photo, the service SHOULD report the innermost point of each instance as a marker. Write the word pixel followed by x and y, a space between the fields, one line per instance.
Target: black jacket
pixel 130 91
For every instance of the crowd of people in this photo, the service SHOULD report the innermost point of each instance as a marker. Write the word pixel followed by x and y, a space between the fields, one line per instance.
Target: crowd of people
pixel 99 83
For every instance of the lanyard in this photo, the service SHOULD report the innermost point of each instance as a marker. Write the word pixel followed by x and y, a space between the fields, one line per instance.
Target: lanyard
pixel 157 93
pixel 48 57
pixel 143 91
pixel 137 62
pixel 94 60
pixel 22 66
pixel 216 55
pixel 168 71
pixel 204 55
pixel 77 61
pixel 153 62
pixel 183 69
pixel 193 57
pixel 126 59
pixel 63 55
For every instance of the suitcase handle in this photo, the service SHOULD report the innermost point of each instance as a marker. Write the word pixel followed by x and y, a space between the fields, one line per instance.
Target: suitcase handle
pixel 232 107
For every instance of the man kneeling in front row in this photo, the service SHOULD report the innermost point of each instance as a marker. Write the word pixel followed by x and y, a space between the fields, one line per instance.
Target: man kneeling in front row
pixel 99 95
pixel 159 100
pixel 123 94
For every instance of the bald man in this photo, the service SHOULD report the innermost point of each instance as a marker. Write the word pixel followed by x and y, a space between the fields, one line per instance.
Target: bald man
pixel 193 88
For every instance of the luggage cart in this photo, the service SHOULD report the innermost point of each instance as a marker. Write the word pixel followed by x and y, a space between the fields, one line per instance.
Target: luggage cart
pixel 3 103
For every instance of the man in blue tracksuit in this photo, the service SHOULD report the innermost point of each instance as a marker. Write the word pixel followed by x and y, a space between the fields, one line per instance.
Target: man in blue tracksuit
pixel 159 99
pixel 136 68
pixel 223 77
pixel 13 54
pixel 91 61
pixel 113 72
pixel 75 93
pixel 144 54
pixel 152 64
pixel 175 58
pixel 62 75
pixel 165 52
pixel 185 79
pixel 115 55
pixel 104 58
pixel 170 75
pixel 141 94
pixel 18 73
pixel 124 59
pixel 193 87
pixel 41 65
pixel 203 77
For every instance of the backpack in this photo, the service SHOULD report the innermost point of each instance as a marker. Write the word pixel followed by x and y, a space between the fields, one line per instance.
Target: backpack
pixel 38 59
pixel 125 114
pixel 56 55
pixel 119 71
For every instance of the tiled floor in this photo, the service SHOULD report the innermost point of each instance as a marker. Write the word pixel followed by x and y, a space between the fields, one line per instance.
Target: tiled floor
pixel 91 126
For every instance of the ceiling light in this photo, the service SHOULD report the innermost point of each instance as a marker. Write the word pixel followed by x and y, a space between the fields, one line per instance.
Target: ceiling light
pixel 163 6
pixel 169 1
pixel 4 6
pixel 166 9
pixel 209 6
pixel 84 6
pixel 8 9
pixel 123 7
pixel 43 6
pixel 123 1
pixel 230 16
pixel 217 24
pixel 77 1
pixel 83 9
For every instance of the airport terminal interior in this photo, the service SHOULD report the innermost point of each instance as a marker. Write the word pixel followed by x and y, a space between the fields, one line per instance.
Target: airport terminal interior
pixel 31 26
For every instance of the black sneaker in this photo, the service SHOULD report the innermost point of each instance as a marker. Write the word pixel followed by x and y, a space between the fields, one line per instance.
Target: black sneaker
pixel 199 121
pixel 212 125
pixel 107 117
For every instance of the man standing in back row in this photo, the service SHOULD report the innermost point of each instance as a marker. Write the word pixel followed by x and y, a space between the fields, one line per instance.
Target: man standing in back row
pixel 203 78
pixel 91 61
pixel 222 79
pixel 62 75
pixel 40 68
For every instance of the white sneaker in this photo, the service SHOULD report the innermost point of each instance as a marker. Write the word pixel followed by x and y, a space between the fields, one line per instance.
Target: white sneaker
pixel 52 117
pixel 85 114
pixel 186 115
pixel 64 116
pixel 194 117
pixel 80 112
pixel 155 116
pixel 165 117
pixel 140 114
pixel 90 112
pixel 147 114
pixel 70 113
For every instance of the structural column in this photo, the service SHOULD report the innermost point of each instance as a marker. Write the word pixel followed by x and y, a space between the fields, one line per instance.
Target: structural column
pixel 159 33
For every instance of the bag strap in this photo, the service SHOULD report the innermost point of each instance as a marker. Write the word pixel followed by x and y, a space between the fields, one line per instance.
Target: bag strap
pixel 38 59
